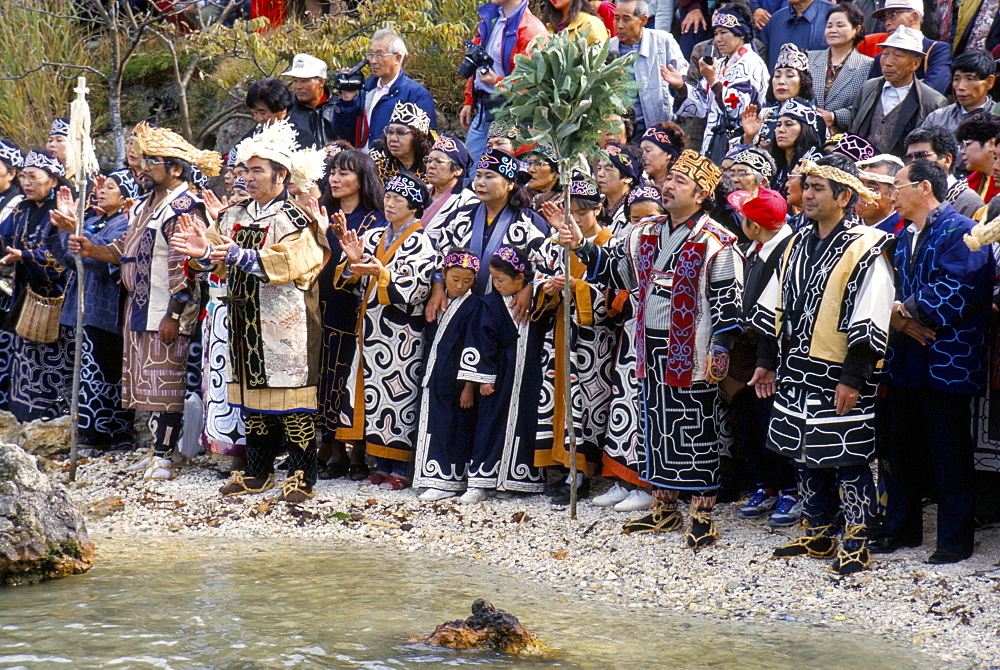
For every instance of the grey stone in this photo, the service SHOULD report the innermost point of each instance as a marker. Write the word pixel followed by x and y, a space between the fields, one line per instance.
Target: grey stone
pixel 42 533
pixel 45 438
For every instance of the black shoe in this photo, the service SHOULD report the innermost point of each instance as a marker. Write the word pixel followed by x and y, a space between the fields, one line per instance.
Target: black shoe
pixel 887 544
pixel 333 471
pixel 357 472
pixel 561 498
pixel 940 557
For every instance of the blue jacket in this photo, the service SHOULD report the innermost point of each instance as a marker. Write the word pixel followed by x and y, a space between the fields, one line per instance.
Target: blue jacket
pixel 787 27
pixel 935 70
pixel 351 121
pixel 949 289
pixel 101 288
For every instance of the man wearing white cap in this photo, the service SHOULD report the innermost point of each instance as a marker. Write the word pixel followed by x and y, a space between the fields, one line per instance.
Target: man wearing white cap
pixel 935 70
pixel 314 112
pixel 889 107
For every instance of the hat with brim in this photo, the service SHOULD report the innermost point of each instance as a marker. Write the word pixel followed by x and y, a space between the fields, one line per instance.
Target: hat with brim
pixel 906 39
pixel 909 5
pixel 305 66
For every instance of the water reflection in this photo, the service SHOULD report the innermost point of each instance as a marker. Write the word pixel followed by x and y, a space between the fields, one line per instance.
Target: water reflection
pixel 270 603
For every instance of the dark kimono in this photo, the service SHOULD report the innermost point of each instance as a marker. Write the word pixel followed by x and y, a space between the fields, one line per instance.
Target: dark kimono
pixel 40 374
pixel 502 353
pixel 446 431
pixel 338 308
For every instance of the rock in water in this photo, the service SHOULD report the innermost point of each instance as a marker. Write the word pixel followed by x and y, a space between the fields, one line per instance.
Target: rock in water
pixel 42 533
pixel 487 628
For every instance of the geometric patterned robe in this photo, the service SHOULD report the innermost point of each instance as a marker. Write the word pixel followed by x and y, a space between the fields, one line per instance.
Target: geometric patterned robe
pixel 689 281
pixel 828 305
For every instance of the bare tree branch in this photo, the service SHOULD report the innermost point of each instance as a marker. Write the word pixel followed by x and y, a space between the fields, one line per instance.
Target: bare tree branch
pixel 22 76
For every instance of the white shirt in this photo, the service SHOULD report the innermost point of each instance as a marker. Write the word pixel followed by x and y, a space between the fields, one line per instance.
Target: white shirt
pixel 914 236
pixel 373 97
pixel 768 247
pixel 893 95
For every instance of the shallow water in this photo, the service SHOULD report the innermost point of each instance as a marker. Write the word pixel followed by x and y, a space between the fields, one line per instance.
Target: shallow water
pixel 163 602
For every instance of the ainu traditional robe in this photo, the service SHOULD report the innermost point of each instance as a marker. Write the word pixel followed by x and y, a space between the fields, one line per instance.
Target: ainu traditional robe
pixel 828 304
pixel 591 362
pixel 274 326
pixel 446 432
pixel 40 373
pixel 688 281
pixel 154 376
pixel 505 354
pixel 380 405
pixel 467 228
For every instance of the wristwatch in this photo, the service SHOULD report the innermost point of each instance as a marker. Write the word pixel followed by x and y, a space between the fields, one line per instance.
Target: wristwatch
pixel 176 316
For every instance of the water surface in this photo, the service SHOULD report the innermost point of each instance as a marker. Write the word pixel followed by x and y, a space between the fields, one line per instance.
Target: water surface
pixel 164 602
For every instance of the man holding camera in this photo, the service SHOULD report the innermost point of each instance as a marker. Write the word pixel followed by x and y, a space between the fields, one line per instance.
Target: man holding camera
pixel 314 112
pixel 365 113
pixel 506 27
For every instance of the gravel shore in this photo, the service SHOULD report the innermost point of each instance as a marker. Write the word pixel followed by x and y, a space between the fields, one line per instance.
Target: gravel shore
pixel 951 612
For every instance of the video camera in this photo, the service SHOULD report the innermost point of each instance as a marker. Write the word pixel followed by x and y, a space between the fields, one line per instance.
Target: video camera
pixel 475 58
pixel 350 80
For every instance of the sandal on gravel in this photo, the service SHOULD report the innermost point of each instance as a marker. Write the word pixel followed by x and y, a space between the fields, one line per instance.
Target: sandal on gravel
pixel 295 490
pixel 658 521
pixel 394 483
pixel 374 479
pixel 239 484
pixel 160 469
pixel 703 531
pixel 816 544
pixel 849 562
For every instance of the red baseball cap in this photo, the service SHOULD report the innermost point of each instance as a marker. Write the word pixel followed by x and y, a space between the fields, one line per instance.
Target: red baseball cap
pixel 768 209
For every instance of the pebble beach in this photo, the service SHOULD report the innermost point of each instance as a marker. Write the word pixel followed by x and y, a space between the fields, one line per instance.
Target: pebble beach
pixel 951 613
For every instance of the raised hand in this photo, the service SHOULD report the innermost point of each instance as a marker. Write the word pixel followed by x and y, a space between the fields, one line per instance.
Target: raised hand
pixel 189 238
pixel 670 75
pixel 570 235
pixel 213 205
pixel 372 268
pixel 64 215
pixel 218 254
pixel 319 213
pixel 752 123
pixel 353 248
pixel 339 224
pixel 552 212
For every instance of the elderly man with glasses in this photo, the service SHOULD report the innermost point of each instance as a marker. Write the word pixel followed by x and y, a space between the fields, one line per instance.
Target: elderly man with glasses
pixel 365 113
pixel 937 364
pixel 877 174
pixel 936 143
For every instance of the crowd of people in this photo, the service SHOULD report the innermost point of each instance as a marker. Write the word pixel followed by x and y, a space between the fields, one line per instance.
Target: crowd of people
pixel 776 284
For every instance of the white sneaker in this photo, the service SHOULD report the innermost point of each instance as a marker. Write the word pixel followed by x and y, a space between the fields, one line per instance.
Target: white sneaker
pixel 474 495
pixel 159 468
pixel 637 500
pixel 612 496
pixel 435 494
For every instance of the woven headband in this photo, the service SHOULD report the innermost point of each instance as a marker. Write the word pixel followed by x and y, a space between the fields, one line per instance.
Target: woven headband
pixel 126 183
pixel 408 114
pixel 583 189
pixel 662 140
pixel 792 56
pixel 500 162
pixel 150 141
pixel 45 162
pixel 704 172
pixel 510 255
pixel 462 260
pixel 11 155
pixel 642 193
pixel 880 178
pixel 807 167
pixel 414 191
pixel 734 23
pixel 757 161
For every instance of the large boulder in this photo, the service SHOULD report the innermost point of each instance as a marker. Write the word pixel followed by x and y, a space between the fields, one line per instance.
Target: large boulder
pixel 46 438
pixel 42 533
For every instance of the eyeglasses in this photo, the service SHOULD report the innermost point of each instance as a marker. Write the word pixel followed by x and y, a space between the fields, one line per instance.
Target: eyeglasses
pixel 537 163
pixel 917 155
pixel 147 163
pixel 438 161
pixel 877 186
pixel 397 132
pixel 25 178
pixel 896 187
pixel 379 55
pixel 742 174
